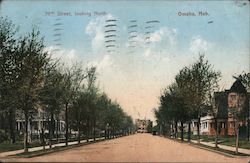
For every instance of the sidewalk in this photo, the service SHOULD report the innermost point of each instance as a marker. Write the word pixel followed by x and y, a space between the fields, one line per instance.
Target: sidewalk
pixel 5 154
pixel 241 150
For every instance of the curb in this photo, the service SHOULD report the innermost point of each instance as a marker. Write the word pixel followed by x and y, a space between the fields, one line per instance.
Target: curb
pixel 216 151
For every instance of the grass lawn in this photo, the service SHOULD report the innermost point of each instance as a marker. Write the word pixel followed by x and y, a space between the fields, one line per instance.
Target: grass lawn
pixel 230 141
pixel 7 146
pixel 204 138
pixel 213 149
pixel 226 140
pixel 220 150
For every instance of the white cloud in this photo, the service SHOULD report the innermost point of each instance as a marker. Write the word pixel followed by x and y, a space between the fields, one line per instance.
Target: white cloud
pixel 199 45
pixel 147 52
pixel 96 31
pixel 164 33
pixel 152 54
pixel 66 56
pixel 106 62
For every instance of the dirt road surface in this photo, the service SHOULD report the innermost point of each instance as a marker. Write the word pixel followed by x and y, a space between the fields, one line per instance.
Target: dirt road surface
pixel 135 148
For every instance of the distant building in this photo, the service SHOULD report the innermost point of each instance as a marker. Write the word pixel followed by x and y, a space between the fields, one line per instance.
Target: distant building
pixel 142 125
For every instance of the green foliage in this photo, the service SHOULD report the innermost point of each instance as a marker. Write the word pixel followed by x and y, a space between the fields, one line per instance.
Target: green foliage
pixel 245 79
pixel 197 82
pixel 187 97
pixel 32 81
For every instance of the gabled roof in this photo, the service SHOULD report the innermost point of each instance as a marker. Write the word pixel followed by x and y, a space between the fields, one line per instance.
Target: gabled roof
pixel 238 87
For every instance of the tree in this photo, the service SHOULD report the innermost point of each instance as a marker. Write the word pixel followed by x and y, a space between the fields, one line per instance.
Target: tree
pixel 159 120
pixel 163 119
pixel 79 112
pixel 198 81
pixel 51 98
pixel 8 72
pixel 104 103
pixel 238 107
pixel 173 102
pixel 31 61
pixel 150 127
pixel 71 83
pixel 67 92
pixel 183 80
pixel 245 79
pixel 215 106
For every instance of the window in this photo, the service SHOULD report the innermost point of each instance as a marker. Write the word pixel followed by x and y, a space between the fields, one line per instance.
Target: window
pixel 232 124
pixel 233 97
pixel 204 125
pixel 222 125
pixel 211 125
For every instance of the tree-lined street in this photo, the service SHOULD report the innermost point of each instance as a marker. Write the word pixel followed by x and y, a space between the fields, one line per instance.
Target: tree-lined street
pixel 135 148
pixel 124 81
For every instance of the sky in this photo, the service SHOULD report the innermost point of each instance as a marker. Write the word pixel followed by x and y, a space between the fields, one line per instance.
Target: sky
pixel 139 46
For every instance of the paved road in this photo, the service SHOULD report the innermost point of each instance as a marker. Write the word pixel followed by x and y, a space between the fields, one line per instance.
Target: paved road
pixel 135 148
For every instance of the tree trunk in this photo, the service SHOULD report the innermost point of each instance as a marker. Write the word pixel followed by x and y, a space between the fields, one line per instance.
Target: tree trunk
pixel 237 137
pixel 248 120
pixel 79 136
pixel 30 136
pixel 172 130
pixel 216 133
pixel 43 136
pixel 94 133
pixel 182 131
pixel 108 133
pixel 226 127
pixel 176 130
pixel 66 123
pixel 12 122
pixel 43 140
pixel 198 130
pixel 189 131
pixel 26 131
pixel 78 129
pixel 57 129
pixel 113 132
pixel 51 128
pixel 87 131
pixel 248 126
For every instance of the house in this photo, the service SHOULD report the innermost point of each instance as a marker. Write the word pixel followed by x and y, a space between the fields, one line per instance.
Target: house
pixel 194 126
pixel 220 111
pixel 238 105
pixel 40 121
pixel 208 126
pixel 228 103
pixel 142 125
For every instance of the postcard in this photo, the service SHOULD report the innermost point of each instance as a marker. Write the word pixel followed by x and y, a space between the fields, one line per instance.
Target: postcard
pixel 124 81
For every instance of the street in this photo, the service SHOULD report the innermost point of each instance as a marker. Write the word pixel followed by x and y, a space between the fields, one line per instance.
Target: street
pixel 134 148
